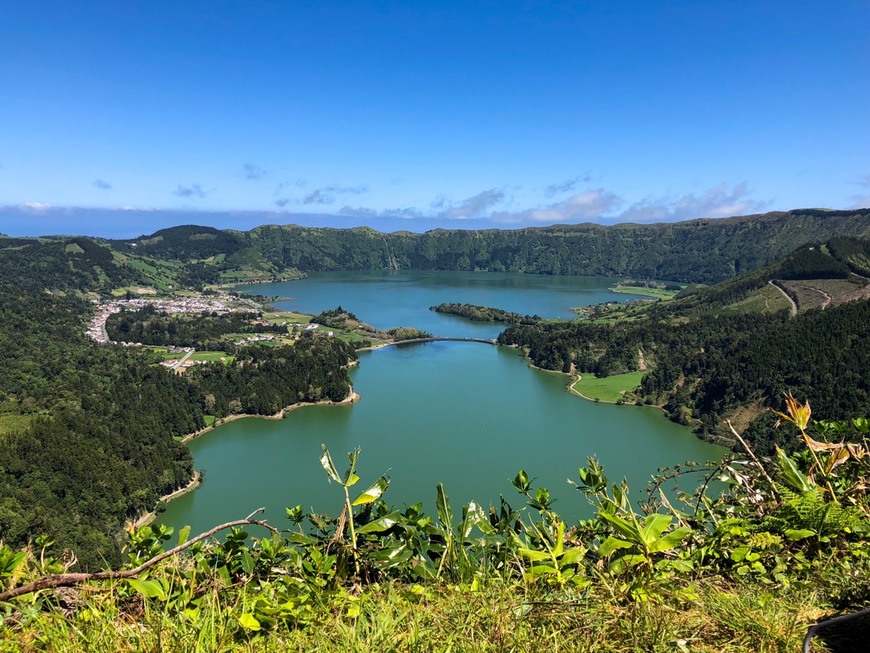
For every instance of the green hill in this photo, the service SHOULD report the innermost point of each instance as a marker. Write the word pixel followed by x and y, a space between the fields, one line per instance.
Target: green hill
pixel 696 251
pixel 725 351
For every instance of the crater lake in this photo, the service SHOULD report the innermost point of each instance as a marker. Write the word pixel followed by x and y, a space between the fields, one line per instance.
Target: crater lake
pixel 467 415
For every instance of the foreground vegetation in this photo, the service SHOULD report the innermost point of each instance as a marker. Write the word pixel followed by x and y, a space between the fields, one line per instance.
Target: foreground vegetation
pixel 785 544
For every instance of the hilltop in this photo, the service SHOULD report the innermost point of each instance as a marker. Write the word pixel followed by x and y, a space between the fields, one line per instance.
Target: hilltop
pixel 190 256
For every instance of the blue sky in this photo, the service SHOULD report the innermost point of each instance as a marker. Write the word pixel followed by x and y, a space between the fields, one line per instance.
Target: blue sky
pixel 417 114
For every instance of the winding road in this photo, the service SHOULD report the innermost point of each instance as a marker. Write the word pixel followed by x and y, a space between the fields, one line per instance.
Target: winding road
pixel 786 295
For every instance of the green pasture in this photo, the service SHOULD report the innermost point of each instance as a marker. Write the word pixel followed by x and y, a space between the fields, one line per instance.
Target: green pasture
pixel 608 388
pixel 656 293
pixel 212 357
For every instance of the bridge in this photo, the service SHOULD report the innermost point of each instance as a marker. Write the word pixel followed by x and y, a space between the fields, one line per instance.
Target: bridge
pixel 486 341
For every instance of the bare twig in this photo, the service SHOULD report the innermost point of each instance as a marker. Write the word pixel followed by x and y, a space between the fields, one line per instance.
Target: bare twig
pixel 752 455
pixel 69 580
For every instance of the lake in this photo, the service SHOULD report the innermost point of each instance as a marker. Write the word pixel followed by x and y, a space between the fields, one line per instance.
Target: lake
pixel 465 414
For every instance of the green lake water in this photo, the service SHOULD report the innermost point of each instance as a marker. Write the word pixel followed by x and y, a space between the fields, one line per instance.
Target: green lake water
pixel 467 415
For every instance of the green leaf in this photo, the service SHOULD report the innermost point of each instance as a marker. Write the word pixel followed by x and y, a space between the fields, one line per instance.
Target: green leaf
pixel 560 540
pixel 328 465
pixel 799 534
pixel 302 538
pixel 373 492
pixel 534 555
pixel 12 561
pixel 521 481
pixel 623 526
pixel 350 476
pixel 183 534
pixel 626 562
pixel 151 589
pixel 573 555
pixel 671 540
pixel 539 570
pixel 791 474
pixel 249 622
pixel 381 524
pixel 653 527
pixel 442 502
pixel 611 544
pixel 247 562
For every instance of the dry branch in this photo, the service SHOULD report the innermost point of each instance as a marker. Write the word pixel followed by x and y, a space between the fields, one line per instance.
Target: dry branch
pixel 69 580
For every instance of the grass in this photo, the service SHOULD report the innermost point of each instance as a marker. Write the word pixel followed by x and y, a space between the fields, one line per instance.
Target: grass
pixel 212 357
pixel 286 316
pixel 208 419
pixel 609 388
pixel 135 290
pixel 764 300
pixel 496 616
pixel 162 353
pixel 657 293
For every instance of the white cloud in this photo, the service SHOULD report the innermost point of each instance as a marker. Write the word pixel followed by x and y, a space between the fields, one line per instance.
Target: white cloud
pixel 472 207
pixel 329 194
pixel 36 207
pixel 587 205
pixel 716 202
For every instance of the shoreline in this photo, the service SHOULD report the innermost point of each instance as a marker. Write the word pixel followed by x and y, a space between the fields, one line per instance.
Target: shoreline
pixel 351 398
pixel 151 515
pixel 196 480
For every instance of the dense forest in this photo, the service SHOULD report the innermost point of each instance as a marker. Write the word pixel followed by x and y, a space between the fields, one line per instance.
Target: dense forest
pixel 92 440
pixel 195 257
pixel 709 250
pixel 66 264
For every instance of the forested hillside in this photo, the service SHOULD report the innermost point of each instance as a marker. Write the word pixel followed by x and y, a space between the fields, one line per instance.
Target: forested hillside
pixel 715 365
pixel 67 264
pixel 701 251
pixel 697 251
pixel 89 433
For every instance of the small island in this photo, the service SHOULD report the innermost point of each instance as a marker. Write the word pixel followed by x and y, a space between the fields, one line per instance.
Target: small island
pixel 485 314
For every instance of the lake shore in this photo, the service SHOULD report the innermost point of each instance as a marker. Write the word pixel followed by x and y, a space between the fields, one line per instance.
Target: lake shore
pixel 351 398
pixel 196 480
pixel 151 515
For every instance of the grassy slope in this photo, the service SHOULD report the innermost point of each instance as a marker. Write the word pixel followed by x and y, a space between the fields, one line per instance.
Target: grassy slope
pixel 492 617
pixel 610 388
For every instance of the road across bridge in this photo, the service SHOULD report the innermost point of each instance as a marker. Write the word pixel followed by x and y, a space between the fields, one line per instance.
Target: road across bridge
pixel 486 341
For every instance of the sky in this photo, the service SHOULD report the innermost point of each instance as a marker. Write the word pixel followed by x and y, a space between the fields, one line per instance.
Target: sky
pixel 118 118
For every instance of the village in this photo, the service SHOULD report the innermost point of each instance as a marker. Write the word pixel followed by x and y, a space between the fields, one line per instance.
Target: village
pixel 218 305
